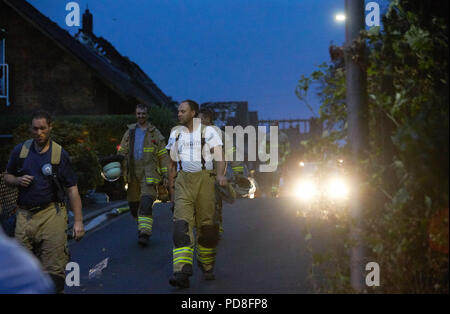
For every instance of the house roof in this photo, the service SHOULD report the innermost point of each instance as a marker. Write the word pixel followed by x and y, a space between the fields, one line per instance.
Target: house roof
pixel 131 83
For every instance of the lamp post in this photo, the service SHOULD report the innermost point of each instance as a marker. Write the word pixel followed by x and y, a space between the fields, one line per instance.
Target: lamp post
pixel 358 133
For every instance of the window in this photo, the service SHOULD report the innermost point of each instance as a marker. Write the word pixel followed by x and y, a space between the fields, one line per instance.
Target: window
pixel 4 70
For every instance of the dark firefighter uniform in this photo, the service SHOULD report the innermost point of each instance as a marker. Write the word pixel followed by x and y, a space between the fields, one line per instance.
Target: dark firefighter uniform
pixel 145 167
pixel 42 217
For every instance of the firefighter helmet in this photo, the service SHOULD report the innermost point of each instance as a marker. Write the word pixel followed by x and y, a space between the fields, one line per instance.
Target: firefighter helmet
pixel 111 172
pixel 226 192
pixel 243 185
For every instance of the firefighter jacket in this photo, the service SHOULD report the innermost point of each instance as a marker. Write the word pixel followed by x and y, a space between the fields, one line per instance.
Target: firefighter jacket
pixel 154 157
pixel 237 167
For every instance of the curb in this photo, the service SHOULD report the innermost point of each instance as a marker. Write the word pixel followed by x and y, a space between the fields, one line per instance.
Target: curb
pixel 100 211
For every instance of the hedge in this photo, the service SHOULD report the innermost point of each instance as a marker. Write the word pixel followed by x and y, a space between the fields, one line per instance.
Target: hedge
pixel 86 138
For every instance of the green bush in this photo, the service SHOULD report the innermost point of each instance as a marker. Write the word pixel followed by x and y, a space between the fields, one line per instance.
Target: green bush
pixel 105 132
pixel 406 221
pixel 86 138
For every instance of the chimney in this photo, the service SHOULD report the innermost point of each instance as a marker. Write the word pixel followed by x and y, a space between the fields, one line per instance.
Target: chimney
pixel 88 23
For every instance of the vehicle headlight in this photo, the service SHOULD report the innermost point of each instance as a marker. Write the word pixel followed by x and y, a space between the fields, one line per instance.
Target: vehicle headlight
pixel 306 190
pixel 337 189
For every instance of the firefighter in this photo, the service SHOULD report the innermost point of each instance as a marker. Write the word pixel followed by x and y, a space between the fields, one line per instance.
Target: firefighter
pixel 190 146
pixel 237 167
pixel 41 168
pixel 145 169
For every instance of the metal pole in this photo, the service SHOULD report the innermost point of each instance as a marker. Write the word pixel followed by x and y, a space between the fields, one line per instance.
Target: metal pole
pixel 357 110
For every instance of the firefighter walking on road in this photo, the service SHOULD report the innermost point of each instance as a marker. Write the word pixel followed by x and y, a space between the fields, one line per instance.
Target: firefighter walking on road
pixel 190 148
pixel 237 167
pixel 145 169
pixel 41 169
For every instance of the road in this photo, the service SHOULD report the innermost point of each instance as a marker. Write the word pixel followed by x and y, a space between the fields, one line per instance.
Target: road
pixel 262 251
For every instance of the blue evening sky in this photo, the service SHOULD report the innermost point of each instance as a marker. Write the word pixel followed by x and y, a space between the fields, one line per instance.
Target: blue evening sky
pixel 219 50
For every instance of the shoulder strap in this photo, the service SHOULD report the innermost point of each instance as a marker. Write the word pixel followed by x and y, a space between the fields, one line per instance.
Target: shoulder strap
pixel 202 129
pixel 56 153
pixel 203 142
pixel 25 149
pixel 55 160
pixel 176 147
pixel 24 153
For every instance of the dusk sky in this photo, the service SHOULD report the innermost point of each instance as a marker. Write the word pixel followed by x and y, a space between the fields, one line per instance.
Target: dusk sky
pixel 219 50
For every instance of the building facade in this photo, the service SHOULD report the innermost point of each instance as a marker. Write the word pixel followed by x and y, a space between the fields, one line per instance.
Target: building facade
pixel 44 67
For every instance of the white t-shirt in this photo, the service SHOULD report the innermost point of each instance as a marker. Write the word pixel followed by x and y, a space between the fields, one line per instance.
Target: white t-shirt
pixel 188 147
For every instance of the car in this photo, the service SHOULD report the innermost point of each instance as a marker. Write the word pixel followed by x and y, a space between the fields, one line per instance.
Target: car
pixel 317 183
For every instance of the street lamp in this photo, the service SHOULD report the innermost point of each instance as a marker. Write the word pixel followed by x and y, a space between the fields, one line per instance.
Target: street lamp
pixel 340 17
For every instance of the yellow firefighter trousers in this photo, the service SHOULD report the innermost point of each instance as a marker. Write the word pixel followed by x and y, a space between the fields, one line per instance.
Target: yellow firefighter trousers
pixel 44 233
pixel 138 190
pixel 195 208
pixel 138 187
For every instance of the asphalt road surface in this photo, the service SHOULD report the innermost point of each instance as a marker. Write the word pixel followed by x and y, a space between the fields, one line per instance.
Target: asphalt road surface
pixel 261 251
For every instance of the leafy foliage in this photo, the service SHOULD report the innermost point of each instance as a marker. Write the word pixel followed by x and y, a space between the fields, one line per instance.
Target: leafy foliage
pixel 73 138
pixel 86 139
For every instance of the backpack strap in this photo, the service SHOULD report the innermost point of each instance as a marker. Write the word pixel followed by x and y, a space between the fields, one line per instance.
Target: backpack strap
pixel 55 160
pixel 24 153
pixel 56 153
pixel 25 149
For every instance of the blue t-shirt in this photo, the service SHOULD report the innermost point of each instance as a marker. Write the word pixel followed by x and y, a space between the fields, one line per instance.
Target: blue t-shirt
pixel 139 136
pixel 41 191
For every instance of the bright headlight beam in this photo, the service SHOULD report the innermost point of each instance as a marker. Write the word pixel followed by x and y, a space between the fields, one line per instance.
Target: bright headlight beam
pixel 306 190
pixel 338 189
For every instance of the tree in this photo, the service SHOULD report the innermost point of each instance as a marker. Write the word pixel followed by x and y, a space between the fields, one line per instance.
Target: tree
pixel 407 68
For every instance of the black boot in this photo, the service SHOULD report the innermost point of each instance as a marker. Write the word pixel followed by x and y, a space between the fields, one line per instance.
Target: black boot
pixel 59 283
pixel 143 239
pixel 179 280
pixel 209 275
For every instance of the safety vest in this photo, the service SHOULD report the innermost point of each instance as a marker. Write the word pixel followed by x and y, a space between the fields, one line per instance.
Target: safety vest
pixel 154 157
